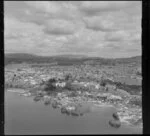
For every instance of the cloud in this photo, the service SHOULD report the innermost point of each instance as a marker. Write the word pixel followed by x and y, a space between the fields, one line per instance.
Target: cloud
pixel 15 28
pixel 83 41
pixel 45 6
pixel 106 29
pixel 20 35
pixel 59 27
pixel 99 23
pixel 113 21
pixel 54 9
pixel 113 46
pixel 91 8
pixel 117 36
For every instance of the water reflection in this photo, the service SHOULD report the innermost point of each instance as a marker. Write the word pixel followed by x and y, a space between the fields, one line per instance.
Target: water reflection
pixel 51 99
pixel 46 103
pixel 37 98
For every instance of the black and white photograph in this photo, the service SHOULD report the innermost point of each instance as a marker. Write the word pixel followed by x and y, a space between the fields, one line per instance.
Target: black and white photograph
pixel 73 67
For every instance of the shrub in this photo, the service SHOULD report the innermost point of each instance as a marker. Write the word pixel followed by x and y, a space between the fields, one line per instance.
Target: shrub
pixel 50 85
pixel 68 86
pixel 18 69
pixel 37 98
pixel 103 83
pixel 132 89
pixel 136 100
pixel 73 94
pixel 68 77
pixel 138 73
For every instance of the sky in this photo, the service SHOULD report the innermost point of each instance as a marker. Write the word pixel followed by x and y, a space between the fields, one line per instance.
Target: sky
pixel 110 29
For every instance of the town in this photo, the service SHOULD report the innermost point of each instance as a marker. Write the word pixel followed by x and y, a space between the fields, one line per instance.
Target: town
pixel 73 89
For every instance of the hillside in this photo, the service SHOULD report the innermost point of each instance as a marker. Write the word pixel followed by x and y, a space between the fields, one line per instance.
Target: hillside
pixel 68 59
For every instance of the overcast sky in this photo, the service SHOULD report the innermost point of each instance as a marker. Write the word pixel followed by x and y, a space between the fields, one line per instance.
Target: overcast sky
pixel 94 28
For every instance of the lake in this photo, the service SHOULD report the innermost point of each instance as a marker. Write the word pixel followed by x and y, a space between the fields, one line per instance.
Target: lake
pixel 25 116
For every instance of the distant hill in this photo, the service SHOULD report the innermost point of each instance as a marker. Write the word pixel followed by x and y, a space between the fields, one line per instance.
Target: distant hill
pixel 67 59
pixel 70 56
pixel 19 55
pixel 136 59
pixel 30 56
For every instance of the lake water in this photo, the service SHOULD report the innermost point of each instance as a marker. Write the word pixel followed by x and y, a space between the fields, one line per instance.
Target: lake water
pixel 25 116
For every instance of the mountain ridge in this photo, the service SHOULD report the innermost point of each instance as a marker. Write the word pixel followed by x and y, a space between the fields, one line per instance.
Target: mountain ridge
pixel 64 56
pixel 68 59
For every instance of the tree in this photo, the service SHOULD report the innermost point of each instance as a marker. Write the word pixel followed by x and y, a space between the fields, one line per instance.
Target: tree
pixel 50 85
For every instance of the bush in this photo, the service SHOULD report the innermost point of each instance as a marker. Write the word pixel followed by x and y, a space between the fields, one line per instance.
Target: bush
pixel 73 94
pixel 103 83
pixel 68 77
pixel 68 86
pixel 138 73
pixel 17 84
pixel 75 87
pixel 50 85
pixel 132 89
pixel 136 100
